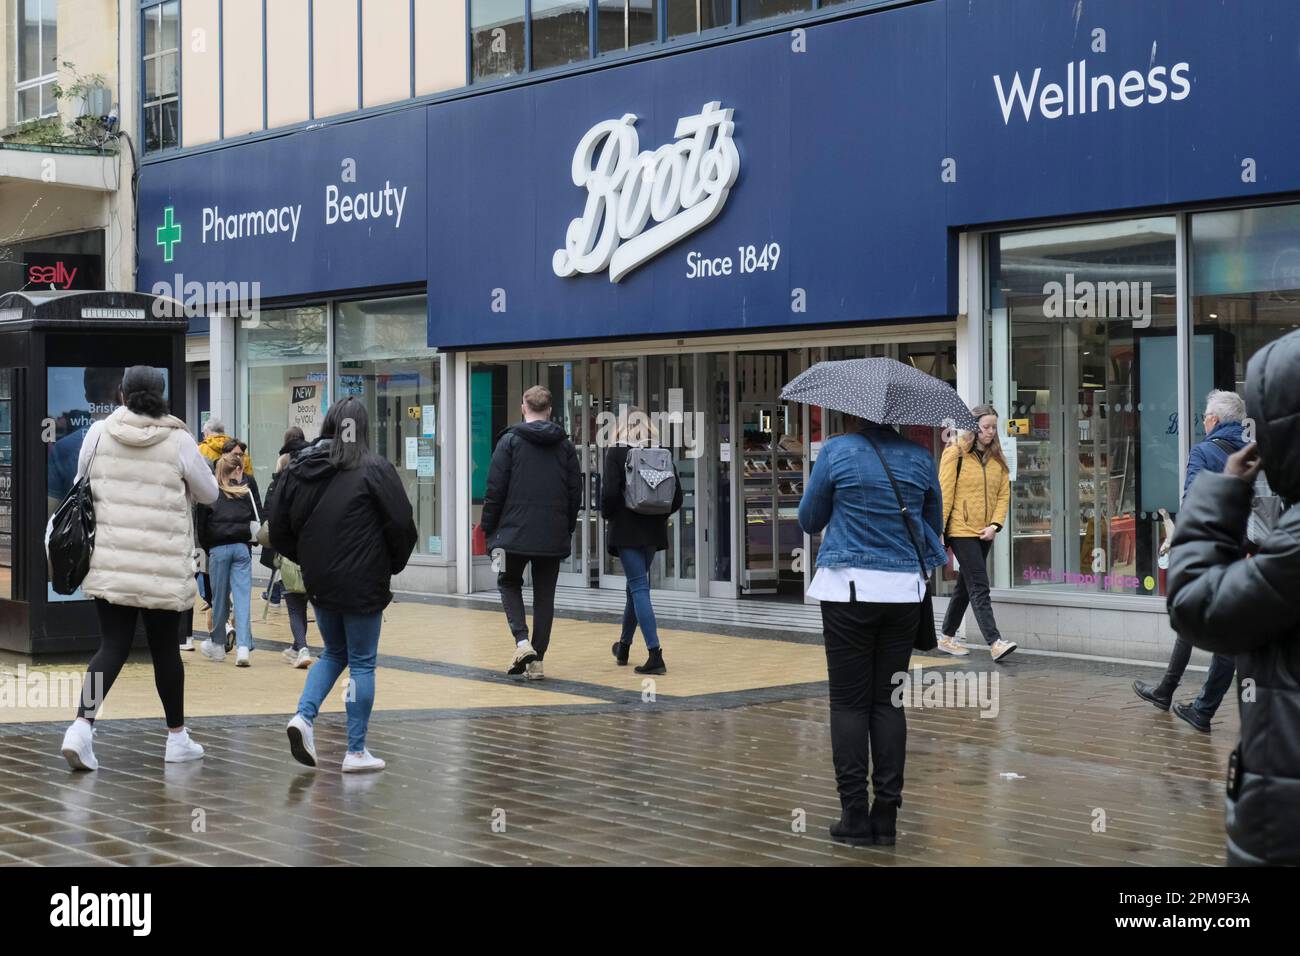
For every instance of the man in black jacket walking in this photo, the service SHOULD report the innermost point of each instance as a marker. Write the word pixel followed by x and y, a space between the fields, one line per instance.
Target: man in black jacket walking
pixel 1227 603
pixel 534 489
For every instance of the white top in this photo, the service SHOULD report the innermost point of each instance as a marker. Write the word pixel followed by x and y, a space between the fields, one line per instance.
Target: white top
pixel 195 471
pixel 882 587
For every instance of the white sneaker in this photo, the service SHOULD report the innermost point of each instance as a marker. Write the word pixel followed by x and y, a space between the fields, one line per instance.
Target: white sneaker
pixel 302 741
pixel 78 746
pixel 524 655
pixel 304 659
pixel 1001 648
pixel 534 671
pixel 230 637
pixel 363 762
pixel 212 651
pixel 290 655
pixel 950 645
pixel 242 657
pixel 189 643
pixel 181 748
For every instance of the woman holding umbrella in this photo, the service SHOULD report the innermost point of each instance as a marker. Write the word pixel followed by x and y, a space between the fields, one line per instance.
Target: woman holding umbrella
pixel 876 497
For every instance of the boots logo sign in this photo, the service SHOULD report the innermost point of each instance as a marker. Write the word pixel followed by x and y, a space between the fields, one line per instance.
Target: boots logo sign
pixel 682 186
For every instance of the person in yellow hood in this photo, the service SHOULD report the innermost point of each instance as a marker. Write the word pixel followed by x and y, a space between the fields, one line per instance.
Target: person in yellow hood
pixel 976 485
pixel 214 441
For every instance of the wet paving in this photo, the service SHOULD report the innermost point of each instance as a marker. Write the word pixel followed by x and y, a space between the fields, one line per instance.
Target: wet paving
pixel 1073 770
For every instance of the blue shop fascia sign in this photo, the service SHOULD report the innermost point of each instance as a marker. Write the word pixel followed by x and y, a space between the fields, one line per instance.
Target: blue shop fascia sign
pixel 812 177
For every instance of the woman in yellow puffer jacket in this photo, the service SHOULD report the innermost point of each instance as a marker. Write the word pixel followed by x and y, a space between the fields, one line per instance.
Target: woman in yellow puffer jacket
pixel 976 486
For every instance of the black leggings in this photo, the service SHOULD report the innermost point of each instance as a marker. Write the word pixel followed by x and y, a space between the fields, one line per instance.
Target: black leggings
pixel 972 588
pixel 117 626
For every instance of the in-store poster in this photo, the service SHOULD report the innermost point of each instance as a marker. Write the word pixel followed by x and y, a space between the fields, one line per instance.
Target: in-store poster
pixel 305 407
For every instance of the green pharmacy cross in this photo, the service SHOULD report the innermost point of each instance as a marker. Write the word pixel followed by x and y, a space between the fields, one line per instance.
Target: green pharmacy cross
pixel 169 234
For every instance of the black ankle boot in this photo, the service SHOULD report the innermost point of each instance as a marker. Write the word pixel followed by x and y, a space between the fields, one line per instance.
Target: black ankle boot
pixel 884 823
pixel 853 826
pixel 620 652
pixel 654 663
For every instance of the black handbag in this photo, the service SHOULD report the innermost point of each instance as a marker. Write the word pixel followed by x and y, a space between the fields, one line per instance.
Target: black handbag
pixel 925 639
pixel 71 538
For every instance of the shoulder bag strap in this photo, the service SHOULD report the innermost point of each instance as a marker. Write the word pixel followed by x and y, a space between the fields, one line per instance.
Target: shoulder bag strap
pixel 907 521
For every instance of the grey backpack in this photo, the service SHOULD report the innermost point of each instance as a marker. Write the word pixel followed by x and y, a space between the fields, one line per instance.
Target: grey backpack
pixel 650 484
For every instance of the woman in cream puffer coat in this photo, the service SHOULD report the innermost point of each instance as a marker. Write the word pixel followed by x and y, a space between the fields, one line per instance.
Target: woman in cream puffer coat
pixel 144 469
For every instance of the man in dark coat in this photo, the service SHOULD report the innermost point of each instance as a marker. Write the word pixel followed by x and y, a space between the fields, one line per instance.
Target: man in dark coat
pixel 534 490
pixel 1223 436
pixel 1230 604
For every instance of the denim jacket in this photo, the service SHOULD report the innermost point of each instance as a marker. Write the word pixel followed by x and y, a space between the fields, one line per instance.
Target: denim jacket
pixel 849 496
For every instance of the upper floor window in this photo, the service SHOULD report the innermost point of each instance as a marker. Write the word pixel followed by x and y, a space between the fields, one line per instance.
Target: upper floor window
pixel 497 28
pixel 161 42
pixel 695 16
pixel 623 24
pixel 38 58
pixel 751 10
pixel 561 32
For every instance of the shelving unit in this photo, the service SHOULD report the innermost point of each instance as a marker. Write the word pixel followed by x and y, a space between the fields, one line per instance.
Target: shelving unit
pixel 772 485
pixel 6 483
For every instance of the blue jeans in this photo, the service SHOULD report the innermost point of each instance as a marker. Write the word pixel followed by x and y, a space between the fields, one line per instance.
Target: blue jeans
pixel 638 610
pixel 230 573
pixel 351 641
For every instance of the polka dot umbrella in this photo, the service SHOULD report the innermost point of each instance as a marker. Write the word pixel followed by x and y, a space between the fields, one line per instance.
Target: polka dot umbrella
pixel 881 390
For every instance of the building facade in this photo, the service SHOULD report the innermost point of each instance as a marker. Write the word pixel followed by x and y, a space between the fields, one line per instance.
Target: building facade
pixel 1087 217
pixel 67 159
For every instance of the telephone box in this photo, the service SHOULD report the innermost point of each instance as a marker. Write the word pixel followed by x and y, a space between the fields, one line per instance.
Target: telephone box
pixel 62 356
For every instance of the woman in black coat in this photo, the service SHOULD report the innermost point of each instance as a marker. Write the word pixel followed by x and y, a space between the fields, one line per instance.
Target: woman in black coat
pixel 341 514
pixel 635 539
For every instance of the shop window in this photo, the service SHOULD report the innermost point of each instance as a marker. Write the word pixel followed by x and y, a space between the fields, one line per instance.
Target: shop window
pixel 282 363
pixel 497 38
pixel 382 358
pixel 1085 373
pixel 623 24
pixel 751 10
pixel 694 16
pixel 161 75
pixel 561 32
pixel 1245 293
pixel 38 58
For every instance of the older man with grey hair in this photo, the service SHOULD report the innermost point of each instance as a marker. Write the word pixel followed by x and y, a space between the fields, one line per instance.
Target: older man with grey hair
pixel 1224 412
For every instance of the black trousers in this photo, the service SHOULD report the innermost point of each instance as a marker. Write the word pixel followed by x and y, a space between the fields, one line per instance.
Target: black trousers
pixel 866 645
pixel 972 588
pixel 510 583
pixel 117 627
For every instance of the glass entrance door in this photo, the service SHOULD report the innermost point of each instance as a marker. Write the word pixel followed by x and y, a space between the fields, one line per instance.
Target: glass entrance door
pixel 620 389
pixel 671 401
pixel 567 382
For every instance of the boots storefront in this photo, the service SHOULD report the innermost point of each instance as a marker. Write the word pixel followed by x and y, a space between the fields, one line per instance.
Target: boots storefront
pixel 1016 196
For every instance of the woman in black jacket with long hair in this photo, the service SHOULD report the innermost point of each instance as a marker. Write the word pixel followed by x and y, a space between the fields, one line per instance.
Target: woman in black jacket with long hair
pixel 635 539
pixel 340 512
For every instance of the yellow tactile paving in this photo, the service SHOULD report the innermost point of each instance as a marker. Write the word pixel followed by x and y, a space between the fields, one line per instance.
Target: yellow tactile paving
pixel 698 663
pixel 272 687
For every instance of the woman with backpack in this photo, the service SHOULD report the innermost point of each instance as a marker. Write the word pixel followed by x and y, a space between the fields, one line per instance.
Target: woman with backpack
pixel 341 513
pixel 144 468
pixel 976 486
pixel 227 529
pixel 638 525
